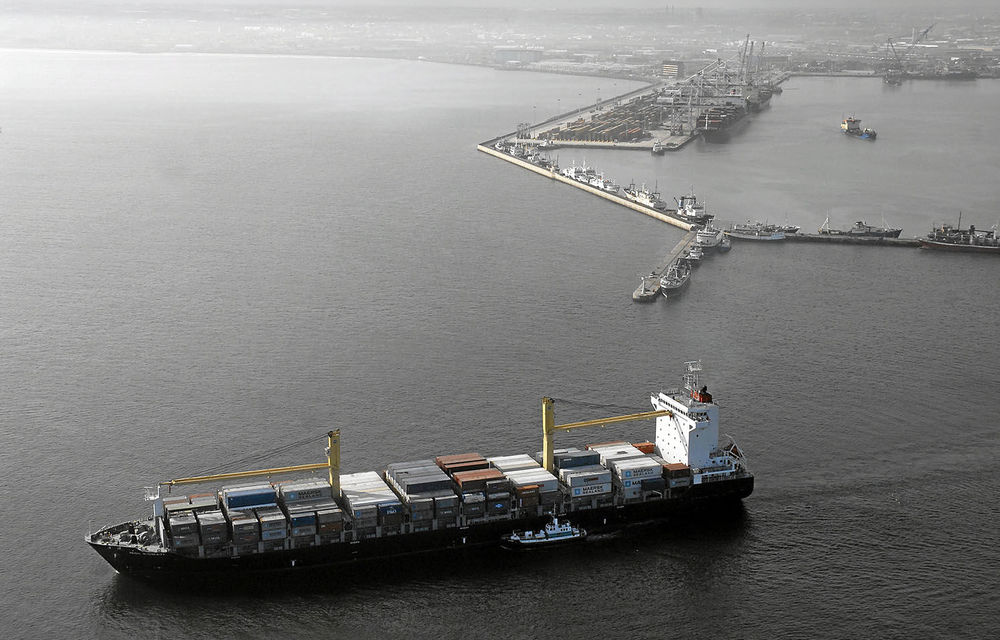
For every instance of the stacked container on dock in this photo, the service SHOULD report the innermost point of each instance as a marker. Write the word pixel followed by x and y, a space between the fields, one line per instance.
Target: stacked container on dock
pixel 372 504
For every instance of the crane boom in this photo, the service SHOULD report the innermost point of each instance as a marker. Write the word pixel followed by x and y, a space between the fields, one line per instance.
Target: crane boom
pixel 332 464
pixel 549 427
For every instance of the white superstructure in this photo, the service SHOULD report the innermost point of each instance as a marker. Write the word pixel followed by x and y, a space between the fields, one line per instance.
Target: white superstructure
pixel 691 435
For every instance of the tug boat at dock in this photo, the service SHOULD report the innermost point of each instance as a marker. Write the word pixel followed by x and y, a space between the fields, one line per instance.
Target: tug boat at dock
pixel 552 534
pixel 463 501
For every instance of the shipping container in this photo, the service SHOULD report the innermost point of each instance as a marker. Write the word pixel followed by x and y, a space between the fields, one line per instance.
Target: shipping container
pixel 524 477
pixel 185 541
pixel 462 467
pixel 330 527
pixel 273 534
pixel 513 463
pixel 579 476
pixel 635 468
pixel 677 470
pixel 457 458
pixel 291 492
pixel 183 524
pixel 576 459
pixel 645 447
pixel 590 489
pixel 654 484
pixel 475 480
pixel 599 445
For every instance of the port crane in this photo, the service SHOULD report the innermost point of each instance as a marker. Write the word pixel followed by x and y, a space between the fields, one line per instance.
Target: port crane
pixel 549 427
pixel 896 68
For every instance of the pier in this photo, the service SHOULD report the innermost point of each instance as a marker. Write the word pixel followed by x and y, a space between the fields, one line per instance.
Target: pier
pixel 649 288
pixel 847 239
pixel 553 174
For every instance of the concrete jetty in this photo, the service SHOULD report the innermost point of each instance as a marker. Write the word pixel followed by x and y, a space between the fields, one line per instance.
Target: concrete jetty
pixel 848 239
pixel 555 175
pixel 649 288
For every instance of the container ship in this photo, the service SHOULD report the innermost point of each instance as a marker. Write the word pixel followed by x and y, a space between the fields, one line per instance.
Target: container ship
pixel 449 502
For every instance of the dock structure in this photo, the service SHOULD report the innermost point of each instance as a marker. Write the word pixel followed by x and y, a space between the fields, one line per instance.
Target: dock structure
pixel 552 174
pixel 849 239
pixel 649 288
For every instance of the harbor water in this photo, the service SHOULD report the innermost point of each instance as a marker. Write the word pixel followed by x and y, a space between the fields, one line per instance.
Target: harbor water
pixel 204 257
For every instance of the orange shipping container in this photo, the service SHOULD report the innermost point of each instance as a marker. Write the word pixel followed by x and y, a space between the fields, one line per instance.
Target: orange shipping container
pixel 645 447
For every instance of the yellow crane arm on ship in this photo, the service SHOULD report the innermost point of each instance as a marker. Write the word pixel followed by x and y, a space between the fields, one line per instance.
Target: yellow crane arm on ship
pixel 549 427
pixel 332 464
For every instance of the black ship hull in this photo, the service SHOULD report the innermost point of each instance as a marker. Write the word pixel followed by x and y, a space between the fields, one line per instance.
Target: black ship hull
pixel 167 565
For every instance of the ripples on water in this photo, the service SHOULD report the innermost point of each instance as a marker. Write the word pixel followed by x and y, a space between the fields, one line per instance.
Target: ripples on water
pixel 245 252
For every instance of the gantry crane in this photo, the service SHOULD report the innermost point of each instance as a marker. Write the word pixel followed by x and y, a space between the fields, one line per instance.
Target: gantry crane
pixel 549 427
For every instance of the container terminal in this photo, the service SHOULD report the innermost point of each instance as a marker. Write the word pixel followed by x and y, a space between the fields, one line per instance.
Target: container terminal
pixel 449 502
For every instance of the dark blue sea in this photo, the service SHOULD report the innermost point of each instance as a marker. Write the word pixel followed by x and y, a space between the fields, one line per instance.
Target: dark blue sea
pixel 204 257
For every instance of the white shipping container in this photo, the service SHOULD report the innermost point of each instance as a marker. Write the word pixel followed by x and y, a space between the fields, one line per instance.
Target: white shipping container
pixel 524 477
pixel 513 463
pixel 635 468
pixel 578 476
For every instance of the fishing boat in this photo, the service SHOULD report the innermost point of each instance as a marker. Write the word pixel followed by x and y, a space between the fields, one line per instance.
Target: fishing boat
pixel 553 533
pixel 676 279
pixel 861 229
pixel 708 237
pixel 755 231
pixel 948 238
pixel 725 244
pixel 690 210
pixel 693 255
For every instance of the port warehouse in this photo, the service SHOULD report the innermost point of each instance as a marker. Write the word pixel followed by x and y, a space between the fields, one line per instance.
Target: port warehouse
pixel 448 492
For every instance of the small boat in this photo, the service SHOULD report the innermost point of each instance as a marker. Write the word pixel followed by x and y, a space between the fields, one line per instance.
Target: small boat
pixel 648 290
pixel 755 231
pixel 693 255
pixel 852 126
pixel 658 149
pixel 676 278
pixel 708 237
pixel 554 533
pixel 690 210
pixel 726 244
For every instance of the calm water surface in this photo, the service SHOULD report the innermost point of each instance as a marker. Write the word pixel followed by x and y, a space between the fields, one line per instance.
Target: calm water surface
pixel 204 257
